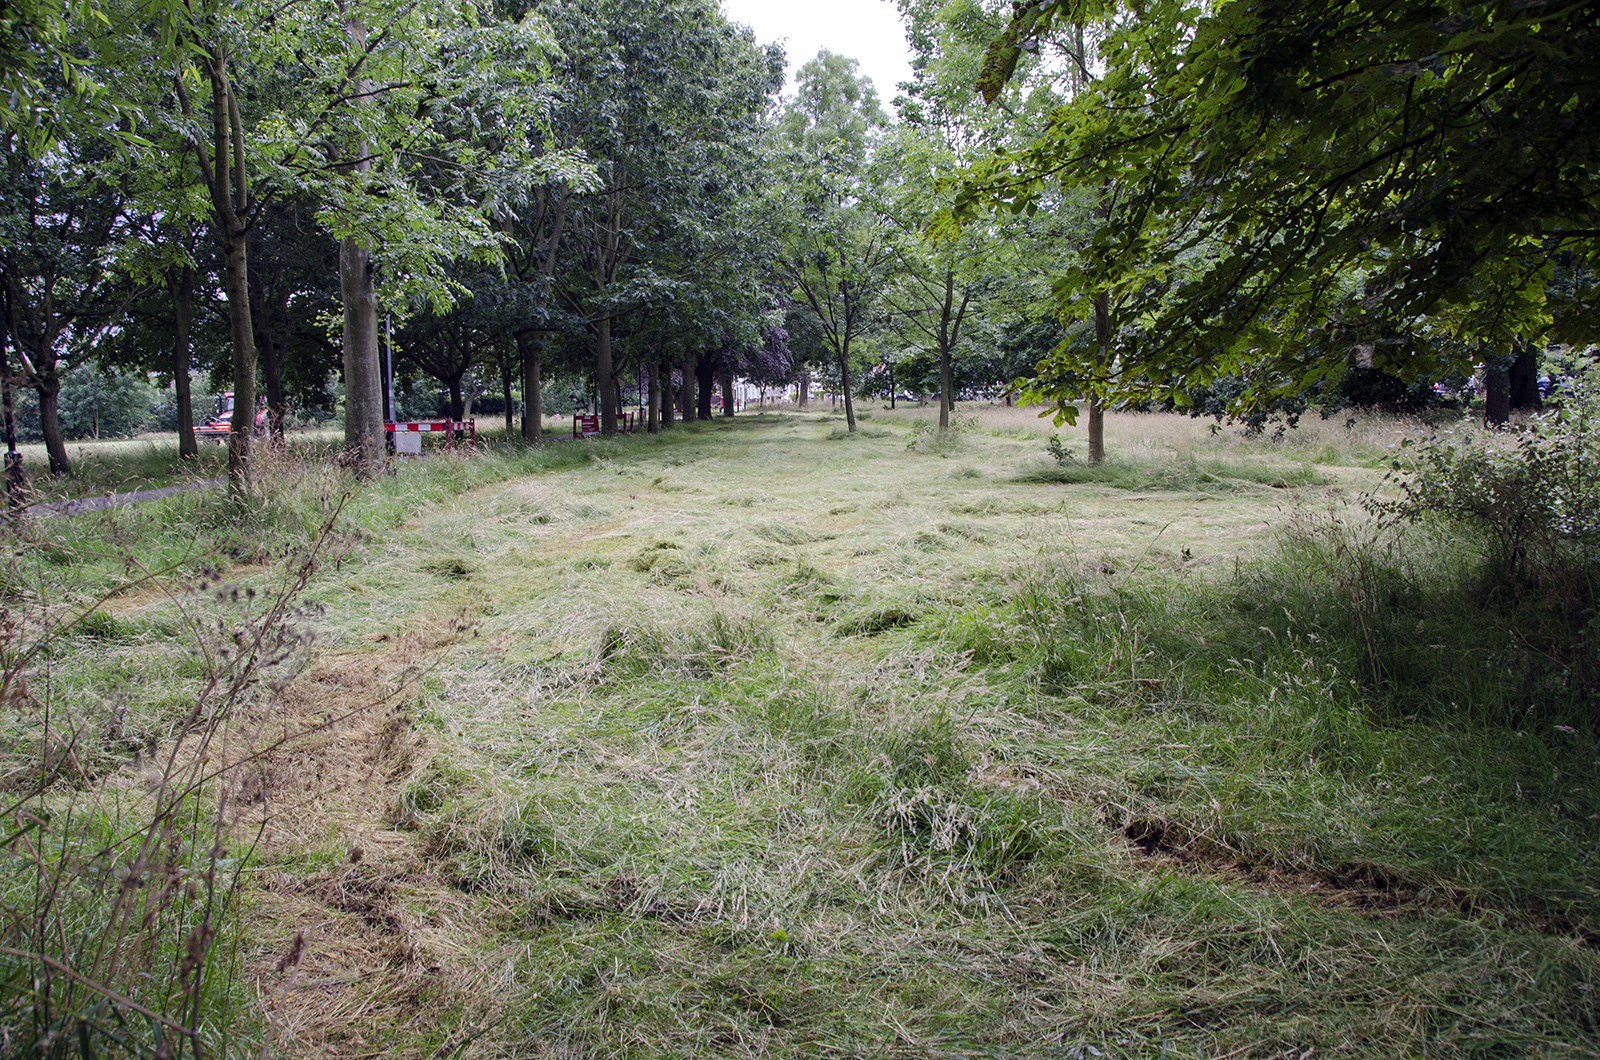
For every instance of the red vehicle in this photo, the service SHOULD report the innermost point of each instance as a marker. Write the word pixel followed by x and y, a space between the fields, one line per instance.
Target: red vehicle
pixel 217 425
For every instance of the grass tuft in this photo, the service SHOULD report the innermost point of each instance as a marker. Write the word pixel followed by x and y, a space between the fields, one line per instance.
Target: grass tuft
pixel 787 534
pixel 875 621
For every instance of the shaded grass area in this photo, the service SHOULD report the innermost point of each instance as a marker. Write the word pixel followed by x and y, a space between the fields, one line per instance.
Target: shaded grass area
pixel 1388 741
pixel 752 743
pixel 711 849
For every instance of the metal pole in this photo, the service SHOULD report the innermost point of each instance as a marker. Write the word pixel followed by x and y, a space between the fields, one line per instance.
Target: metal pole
pixel 388 371
pixel 388 384
pixel 16 484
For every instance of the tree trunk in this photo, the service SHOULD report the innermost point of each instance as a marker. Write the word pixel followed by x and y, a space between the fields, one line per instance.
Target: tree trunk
pixel 1097 431
pixel 505 393
pixel 272 373
pixel 532 397
pixel 951 317
pixel 269 351
pixel 1524 380
pixel 844 378
pixel 1097 414
pixel 386 378
pixel 602 377
pixel 182 355
pixel 49 391
pixel 725 378
pixel 805 389
pixel 667 396
pixel 227 180
pixel 458 411
pixel 16 484
pixel 691 363
pixel 947 386
pixel 16 480
pixel 363 383
pixel 653 411
pixel 705 377
pixel 230 201
pixel 1497 393
pixel 363 389
pixel 236 282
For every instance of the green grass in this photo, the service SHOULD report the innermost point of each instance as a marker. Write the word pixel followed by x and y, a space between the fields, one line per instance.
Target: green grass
pixel 1181 474
pixel 741 741
pixel 103 467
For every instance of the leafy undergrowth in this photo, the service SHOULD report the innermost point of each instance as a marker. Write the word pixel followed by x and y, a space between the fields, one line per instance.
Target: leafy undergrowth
pixel 747 743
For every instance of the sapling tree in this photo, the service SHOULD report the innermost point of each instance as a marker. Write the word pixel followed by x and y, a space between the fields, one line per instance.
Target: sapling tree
pixel 210 37
pixel 948 275
pixel 836 255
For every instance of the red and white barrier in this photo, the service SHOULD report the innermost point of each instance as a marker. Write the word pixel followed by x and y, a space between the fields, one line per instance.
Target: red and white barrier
pixel 589 426
pixel 449 428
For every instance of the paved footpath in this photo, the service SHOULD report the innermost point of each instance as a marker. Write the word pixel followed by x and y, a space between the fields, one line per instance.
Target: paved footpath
pixel 53 509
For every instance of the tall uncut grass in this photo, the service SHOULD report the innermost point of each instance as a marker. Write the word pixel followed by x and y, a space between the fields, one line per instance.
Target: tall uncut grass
pixel 127 809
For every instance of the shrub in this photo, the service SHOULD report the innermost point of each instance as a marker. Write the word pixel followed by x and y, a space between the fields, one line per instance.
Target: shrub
pixel 1533 496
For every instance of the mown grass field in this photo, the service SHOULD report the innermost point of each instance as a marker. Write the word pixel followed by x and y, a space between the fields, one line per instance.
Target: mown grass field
pixel 763 739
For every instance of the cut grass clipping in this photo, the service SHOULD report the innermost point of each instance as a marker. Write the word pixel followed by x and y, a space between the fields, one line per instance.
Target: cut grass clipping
pixel 859 750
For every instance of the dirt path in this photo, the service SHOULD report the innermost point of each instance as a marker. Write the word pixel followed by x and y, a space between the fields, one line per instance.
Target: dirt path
pixel 54 509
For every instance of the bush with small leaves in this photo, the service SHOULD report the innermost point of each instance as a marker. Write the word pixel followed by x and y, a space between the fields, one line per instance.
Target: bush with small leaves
pixel 1534 494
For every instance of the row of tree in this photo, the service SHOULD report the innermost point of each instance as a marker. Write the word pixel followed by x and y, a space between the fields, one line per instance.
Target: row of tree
pixel 575 184
pixel 1117 203
pixel 298 166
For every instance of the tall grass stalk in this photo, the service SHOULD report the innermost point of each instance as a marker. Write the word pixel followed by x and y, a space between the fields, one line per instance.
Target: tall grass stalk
pixel 119 903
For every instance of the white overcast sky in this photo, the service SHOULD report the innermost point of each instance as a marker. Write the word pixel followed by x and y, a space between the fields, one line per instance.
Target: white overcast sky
pixel 868 31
